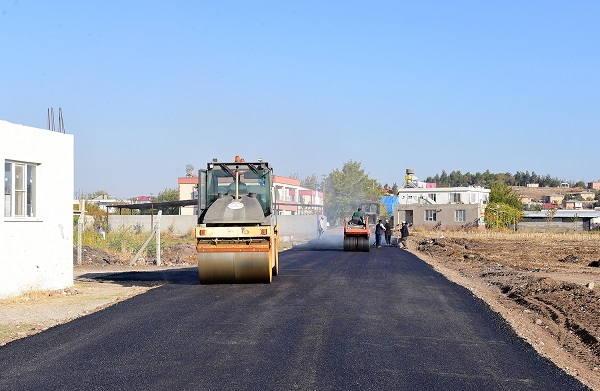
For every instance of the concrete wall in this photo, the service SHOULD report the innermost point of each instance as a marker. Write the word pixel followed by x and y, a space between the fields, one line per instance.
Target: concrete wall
pixel 296 227
pixel 415 214
pixel 176 224
pixel 36 253
pixel 556 225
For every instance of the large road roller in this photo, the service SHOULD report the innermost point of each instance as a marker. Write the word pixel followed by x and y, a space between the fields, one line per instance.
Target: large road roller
pixel 237 234
pixel 356 234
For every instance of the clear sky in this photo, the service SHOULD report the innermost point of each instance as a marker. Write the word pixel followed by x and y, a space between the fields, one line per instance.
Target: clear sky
pixel 148 87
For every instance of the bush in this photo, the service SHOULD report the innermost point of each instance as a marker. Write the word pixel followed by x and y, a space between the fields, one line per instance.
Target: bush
pixel 128 242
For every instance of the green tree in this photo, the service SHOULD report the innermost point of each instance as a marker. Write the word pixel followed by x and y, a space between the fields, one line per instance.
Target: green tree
pixel 345 189
pixel 503 194
pixel 97 194
pixel 505 207
pixel 168 195
pixel 501 216
pixel 311 182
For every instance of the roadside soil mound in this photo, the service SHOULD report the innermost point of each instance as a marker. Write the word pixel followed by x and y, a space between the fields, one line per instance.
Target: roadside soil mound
pixel 546 286
pixel 179 254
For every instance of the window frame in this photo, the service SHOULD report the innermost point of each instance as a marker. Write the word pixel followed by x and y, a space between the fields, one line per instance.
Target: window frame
pixel 457 216
pixel 20 188
pixel 430 215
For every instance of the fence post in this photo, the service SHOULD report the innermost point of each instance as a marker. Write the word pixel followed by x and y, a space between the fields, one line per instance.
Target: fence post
pixel 157 233
pixel 80 227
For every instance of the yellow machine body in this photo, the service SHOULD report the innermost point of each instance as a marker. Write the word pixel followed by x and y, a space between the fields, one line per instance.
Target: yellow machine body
pixel 237 254
pixel 237 234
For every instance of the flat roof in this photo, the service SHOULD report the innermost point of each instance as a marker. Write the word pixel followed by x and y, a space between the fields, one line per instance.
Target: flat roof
pixel 153 205
pixel 563 213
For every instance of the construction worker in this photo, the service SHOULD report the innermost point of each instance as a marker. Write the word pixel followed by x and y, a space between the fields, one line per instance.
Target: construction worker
pixel 403 235
pixel 321 226
pixel 358 217
pixel 388 232
pixel 379 231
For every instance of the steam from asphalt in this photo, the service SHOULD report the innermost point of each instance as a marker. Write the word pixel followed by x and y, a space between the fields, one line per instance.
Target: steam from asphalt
pixel 332 239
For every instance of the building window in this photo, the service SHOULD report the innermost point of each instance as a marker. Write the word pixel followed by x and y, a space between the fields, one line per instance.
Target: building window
pixel 460 216
pixel 430 215
pixel 19 189
pixel 432 197
pixel 455 198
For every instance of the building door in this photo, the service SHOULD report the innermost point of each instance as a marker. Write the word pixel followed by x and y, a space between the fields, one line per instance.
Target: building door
pixel 409 216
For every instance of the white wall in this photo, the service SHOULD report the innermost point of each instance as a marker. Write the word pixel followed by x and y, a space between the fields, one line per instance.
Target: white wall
pixel 176 224
pixel 37 253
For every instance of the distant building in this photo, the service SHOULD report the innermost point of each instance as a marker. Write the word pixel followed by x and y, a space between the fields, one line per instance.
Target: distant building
pixel 584 195
pixel 448 207
pixel 525 200
pixel 573 204
pixel 187 188
pixel 560 220
pixel 595 185
pixel 36 227
pixel 556 199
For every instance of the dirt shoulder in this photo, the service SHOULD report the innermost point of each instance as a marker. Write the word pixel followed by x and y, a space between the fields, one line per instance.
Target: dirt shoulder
pixel 545 286
pixel 37 311
pixel 34 312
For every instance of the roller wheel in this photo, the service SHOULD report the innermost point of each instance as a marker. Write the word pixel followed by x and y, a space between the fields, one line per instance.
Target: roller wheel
pixel 348 243
pixel 363 244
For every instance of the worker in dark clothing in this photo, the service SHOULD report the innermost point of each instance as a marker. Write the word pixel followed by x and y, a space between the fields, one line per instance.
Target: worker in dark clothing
pixel 403 235
pixel 379 231
pixel 388 232
pixel 358 217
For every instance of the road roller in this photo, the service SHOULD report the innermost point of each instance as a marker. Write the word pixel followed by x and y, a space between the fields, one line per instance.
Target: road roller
pixel 237 234
pixel 356 234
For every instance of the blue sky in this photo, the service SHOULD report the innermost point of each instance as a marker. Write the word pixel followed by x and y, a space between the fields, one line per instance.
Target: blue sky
pixel 148 87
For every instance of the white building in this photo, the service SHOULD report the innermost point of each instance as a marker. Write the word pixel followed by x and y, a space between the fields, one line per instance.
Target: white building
pixel 449 207
pixel 36 227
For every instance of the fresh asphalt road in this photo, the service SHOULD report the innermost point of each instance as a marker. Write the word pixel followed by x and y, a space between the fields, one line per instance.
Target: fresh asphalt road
pixel 332 320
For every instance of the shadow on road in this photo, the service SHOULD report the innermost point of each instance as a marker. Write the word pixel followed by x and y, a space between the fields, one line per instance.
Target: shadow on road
pixel 185 276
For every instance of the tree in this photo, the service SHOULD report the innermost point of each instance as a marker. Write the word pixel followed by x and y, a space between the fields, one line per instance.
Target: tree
pixel 345 189
pixel 505 207
pixel 169 195
pixel 98 194
pixel 311 182
pixel 501 216
pixel 503 194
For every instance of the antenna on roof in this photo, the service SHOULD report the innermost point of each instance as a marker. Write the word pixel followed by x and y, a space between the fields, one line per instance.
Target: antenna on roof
pixel 189 170
pixel 61 122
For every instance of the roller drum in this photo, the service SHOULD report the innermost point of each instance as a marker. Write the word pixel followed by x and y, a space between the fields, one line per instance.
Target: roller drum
pixel 234 267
